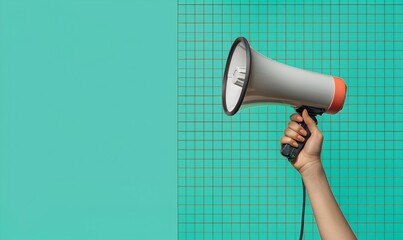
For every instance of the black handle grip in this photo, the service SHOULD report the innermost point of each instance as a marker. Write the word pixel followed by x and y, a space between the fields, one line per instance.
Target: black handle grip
pixel 291 152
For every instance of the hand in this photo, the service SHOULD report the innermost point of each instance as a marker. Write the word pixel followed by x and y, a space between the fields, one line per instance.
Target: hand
pixel 310 154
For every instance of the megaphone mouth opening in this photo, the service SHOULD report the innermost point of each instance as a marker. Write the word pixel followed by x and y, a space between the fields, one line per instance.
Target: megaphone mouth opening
pixel 240 42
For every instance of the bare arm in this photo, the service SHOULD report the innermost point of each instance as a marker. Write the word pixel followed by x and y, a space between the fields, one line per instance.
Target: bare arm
pixel 329 218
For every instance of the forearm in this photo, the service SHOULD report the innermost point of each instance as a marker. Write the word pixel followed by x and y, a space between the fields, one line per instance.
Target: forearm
pixel 329 218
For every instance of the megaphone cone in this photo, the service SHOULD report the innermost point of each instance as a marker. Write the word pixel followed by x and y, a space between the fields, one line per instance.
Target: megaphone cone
pixel 252 79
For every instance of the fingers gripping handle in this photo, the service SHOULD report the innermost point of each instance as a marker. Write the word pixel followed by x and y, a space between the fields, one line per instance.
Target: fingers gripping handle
pixel 291 152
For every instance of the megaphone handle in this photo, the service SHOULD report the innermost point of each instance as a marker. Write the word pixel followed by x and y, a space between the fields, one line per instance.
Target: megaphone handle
pixel 291 152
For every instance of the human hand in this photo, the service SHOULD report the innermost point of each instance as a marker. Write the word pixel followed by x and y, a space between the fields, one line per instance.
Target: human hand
pixel 310 155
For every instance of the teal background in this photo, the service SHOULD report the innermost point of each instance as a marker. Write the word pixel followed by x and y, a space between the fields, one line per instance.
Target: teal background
pixel 232 181
pixel 87 119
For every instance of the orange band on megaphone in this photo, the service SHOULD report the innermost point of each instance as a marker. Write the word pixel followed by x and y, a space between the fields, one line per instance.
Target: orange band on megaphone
pixel 339 95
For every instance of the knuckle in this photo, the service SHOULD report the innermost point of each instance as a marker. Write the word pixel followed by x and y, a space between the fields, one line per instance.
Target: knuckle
pixel 287 140
pixel 293 116
pixel 288 132
pixel 293 125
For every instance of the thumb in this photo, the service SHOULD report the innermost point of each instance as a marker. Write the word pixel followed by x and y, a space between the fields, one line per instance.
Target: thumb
pixel 309 121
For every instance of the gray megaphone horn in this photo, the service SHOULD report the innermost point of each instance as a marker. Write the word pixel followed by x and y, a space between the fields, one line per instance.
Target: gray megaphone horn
pixel 252 79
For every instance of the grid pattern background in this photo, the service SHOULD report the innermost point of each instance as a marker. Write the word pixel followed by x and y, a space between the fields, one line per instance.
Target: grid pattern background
pixel 232 181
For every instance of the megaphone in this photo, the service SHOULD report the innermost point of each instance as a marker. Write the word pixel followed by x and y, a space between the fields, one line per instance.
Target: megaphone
pixel 252 79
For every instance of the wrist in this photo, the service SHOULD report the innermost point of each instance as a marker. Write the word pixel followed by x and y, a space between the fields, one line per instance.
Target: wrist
pixel 311 169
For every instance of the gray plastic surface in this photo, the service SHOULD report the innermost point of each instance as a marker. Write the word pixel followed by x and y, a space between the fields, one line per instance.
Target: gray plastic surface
pixel 271 81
